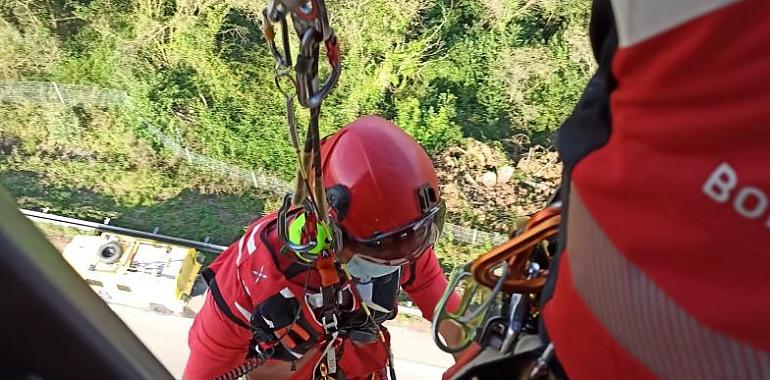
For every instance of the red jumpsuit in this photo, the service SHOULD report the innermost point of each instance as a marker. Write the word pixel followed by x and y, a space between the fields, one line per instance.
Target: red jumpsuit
pixel 253 269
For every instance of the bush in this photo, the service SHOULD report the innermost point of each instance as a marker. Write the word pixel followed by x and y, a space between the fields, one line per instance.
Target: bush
pixel 434 128
pixel 200 71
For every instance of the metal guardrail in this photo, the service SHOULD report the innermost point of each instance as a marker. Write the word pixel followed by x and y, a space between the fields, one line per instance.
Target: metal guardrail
pixel 79 223
pixel 44 217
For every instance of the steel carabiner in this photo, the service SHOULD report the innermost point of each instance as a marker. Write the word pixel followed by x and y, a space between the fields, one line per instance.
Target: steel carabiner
pixel 468 317
pixel 300 250
pixel 308 92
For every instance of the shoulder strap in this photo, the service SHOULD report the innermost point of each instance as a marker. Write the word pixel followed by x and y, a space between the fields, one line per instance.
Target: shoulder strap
pixel 209 276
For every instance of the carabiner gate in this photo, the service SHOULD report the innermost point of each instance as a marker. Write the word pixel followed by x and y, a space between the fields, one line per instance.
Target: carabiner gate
pixel 467 316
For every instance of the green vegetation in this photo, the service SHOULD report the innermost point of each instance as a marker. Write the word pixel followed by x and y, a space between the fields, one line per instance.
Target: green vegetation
pixel 60 236
pixel 492 70
pixel 104 171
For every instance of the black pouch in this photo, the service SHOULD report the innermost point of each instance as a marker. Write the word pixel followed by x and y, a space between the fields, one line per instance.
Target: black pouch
pixel 280 330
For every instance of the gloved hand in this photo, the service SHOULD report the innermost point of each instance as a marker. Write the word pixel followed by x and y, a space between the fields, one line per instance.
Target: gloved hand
pixel 280 328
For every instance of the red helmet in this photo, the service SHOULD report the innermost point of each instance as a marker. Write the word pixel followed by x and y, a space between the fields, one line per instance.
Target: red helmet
pixel 383 191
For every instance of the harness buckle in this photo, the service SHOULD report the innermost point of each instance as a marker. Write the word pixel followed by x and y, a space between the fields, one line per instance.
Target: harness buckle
pixel 330 326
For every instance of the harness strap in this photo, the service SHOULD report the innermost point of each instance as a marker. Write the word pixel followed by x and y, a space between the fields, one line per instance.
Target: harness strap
pixel 327 270
pixel 209 276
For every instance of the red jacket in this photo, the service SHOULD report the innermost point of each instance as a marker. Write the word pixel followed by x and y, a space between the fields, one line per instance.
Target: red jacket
pixel 253 269
pixel 665 269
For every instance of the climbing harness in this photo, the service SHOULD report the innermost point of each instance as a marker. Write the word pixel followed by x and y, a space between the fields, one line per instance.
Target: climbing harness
pixel 313 239
pixel 310 234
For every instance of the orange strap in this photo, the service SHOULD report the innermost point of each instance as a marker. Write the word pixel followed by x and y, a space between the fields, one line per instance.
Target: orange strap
pixel 287 340
pixel 327 270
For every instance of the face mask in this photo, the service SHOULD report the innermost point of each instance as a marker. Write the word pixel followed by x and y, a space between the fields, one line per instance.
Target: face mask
pixel 366 270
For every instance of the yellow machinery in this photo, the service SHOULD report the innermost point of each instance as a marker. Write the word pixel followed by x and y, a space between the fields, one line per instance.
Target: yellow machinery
pixel 136 272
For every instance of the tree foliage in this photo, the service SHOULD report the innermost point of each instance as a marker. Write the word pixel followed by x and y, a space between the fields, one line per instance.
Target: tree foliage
pixel 444 70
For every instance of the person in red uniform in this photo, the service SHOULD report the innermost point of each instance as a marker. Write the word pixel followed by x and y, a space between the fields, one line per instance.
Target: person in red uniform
pixel 666 192
pixel 384 199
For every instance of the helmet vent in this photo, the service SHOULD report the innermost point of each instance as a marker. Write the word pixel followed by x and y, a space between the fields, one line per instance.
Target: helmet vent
pixel 427 197
pixel 338 197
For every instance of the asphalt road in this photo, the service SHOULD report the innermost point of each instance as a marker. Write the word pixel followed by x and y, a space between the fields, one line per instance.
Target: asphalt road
pixel 416 357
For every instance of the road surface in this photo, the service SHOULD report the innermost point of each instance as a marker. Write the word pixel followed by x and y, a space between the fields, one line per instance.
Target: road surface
pixel 416 357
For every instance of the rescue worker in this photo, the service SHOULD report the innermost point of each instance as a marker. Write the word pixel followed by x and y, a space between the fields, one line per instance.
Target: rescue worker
pixel 664 269
pixel 384 198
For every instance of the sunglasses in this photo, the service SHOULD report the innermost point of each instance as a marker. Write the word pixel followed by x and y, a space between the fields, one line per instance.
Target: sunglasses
pixel 403 245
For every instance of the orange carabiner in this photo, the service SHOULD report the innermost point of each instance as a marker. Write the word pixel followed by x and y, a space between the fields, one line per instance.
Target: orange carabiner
pixel 517 252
